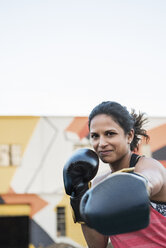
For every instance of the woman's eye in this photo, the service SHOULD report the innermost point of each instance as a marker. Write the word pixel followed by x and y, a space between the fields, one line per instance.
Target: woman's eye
pixel 110 133
pixel 93 136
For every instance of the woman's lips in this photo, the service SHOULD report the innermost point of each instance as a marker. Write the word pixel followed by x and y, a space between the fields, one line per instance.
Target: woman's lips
pixel 105 153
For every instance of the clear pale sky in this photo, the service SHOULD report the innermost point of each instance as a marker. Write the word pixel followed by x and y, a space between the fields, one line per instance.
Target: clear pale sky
pixel 62 57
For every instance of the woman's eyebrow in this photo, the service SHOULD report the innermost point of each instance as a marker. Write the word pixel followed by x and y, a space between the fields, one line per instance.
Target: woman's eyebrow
pixel 111 130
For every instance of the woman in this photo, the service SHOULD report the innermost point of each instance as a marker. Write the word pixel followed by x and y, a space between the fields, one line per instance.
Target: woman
pixel 115 134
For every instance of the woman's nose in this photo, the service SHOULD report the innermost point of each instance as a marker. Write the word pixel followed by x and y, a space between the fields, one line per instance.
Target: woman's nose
pixel 102 142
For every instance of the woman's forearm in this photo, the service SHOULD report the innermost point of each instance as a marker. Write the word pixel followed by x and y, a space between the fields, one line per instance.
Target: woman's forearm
pixel 93 238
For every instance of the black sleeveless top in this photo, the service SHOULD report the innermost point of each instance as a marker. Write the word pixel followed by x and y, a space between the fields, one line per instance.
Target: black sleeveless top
pixel 134 159
pixel 158 206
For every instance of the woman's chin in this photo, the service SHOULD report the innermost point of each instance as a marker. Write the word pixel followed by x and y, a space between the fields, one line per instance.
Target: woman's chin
pixel 106 160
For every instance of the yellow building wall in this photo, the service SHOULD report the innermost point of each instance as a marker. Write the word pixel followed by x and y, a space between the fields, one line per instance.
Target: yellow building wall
pixel 14 130
pixel 17 129
pixel 14 210
pixel 6 174
pixel 73 230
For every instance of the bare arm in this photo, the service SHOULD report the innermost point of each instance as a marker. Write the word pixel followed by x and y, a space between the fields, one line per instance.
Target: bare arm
pixel 93 238
pixel 156 176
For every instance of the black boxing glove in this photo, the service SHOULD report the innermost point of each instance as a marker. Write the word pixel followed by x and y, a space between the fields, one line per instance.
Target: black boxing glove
pixel 79 170
pixel 119 204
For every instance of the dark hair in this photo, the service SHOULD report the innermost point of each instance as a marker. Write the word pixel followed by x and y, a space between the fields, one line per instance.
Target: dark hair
pixel 127 121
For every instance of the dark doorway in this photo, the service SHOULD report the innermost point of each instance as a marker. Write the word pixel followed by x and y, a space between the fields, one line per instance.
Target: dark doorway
pixel 14 231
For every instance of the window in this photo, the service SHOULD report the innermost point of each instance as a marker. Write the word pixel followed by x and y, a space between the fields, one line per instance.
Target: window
pixel 10 154
pixel 4 155
pixel 81 145
pixel 15 154
pixel 61 223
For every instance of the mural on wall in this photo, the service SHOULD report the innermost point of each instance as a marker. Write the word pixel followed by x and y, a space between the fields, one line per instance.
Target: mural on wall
pixel 33 151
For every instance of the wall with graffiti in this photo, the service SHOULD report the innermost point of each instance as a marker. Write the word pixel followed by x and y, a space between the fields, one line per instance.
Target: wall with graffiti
pixel 33 151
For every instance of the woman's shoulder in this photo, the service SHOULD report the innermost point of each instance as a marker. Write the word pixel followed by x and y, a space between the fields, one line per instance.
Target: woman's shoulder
pixel 149 165
pixel 148 162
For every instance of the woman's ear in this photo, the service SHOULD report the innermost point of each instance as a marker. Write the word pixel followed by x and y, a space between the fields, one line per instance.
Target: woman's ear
pixel 130 136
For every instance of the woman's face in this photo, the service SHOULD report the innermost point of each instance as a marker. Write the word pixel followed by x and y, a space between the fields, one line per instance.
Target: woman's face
pixel 108 139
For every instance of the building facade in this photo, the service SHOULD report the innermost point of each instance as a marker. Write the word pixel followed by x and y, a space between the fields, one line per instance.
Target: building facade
pixel 34 209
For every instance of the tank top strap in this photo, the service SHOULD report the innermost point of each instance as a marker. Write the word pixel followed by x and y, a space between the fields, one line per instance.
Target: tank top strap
pixel 134 159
